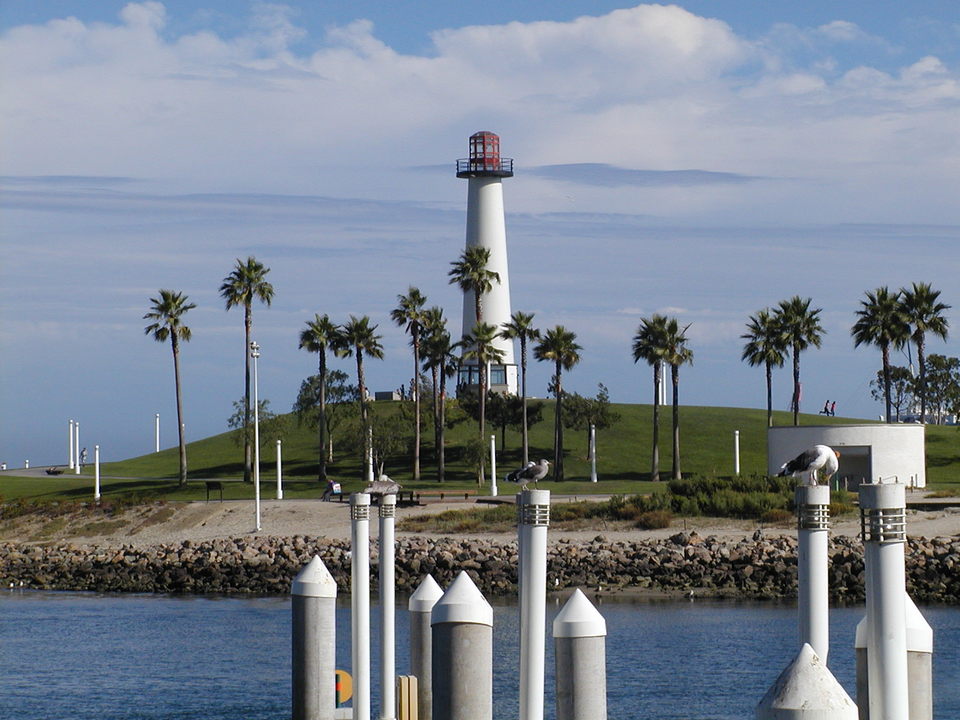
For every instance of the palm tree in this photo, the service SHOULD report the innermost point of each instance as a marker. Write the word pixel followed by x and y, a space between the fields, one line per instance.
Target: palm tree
pixel 439 358
pixel 765 346
pixel 521 328
pixel 167 313
pixel 470 272
pixel 358 338
pixel 479 346
pixel 881 321
pixel 649 345
pixel 560 346
pixel 246 283
pixel 676 353
pixel 801 328
pixel 925 314
pixel 409 313
pixel 318 336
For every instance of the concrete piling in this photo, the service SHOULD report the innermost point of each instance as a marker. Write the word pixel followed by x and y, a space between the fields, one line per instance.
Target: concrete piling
pixel 388 702
pixel 806 690
pixel 420 607
pixel 314 600
pixel 813 559
pixel 579 636
pixel 533 510
pixel 360 603
pixel 462 650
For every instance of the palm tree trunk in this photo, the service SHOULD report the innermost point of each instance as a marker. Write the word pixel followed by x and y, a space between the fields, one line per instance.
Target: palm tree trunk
pixel 796 385
pixel 436 409
pixel 558 429
pixel 441 453
pixel 176 380
pixel 523 394
pixel 483 416
pixel 675 379
pixel 885 353
pixel 247 450
pixel 365 419
pixel 655 468
pixel 922 364
pixel 322 475
pixel 416 406
pixel 769 394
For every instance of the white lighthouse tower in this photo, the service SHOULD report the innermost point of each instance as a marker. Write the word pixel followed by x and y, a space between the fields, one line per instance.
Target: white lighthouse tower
pixel 485 170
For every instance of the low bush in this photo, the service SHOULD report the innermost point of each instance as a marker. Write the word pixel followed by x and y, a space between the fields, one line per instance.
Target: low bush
pixel 654 520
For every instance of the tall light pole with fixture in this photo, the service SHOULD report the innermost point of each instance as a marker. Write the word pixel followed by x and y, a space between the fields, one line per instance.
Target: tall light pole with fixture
pixel 255 354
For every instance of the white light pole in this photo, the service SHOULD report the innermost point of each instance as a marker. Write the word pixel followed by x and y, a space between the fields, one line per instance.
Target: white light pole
pixel 593 453
pixel 156 432
pixel 279 475
pixel 96 472
pixel 71 445
pixel 76 447
pixel 255 354
pixel 736 452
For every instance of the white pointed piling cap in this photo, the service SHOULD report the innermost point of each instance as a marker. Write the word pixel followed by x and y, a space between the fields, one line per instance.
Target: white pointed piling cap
pixel 579 619
pixel 919 632
pixel 806 690
pixel 314 581
pixel 360 498
pixel 462 603
pixel 425 596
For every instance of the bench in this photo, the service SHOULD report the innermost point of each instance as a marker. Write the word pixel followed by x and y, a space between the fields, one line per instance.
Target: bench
pixel 441 495
pixel 54 471
pixel 214 485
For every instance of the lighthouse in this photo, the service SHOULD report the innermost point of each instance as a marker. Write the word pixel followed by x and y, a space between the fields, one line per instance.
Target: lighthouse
pixel 484 171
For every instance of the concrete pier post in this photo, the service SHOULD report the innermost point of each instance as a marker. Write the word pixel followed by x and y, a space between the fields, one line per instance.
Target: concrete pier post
pixel 593 453
pixel 813 560
pixel 806 690
pixel 579 637
pixel 462 650
pixel 71 446
pixel 360 603
pixel 883 528
pixel 919 665
pixel 279 473
pixel 493 465
pixel 533 511
pixel 96 472
pixel 388 651
pixel 314 605
pixel 420 606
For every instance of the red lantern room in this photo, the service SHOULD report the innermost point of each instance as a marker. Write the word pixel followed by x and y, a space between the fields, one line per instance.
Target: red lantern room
pixel 485 160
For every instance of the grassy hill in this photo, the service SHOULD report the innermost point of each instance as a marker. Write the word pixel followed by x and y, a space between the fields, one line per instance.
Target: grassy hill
pixel 623 453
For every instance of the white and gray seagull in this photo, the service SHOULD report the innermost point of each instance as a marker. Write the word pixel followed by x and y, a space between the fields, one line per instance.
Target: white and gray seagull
pixel 817 462
pixel 532 472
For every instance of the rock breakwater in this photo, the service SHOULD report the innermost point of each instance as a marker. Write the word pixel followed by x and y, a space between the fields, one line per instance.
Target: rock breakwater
pixel 761 568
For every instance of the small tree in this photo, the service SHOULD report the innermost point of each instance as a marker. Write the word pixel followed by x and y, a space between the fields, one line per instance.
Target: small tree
pixel 341 405
pixel 272 426
pixel 902 385
pixel 942 389
pixel 580 412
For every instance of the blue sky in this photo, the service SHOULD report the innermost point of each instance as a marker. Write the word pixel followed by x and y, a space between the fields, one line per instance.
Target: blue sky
pixel 706 160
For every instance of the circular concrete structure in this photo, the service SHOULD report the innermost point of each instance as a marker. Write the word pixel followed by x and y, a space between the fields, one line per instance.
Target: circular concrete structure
pixel 868 452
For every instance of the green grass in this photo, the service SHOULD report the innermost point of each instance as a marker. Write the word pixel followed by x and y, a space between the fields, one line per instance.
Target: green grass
pixel 623 458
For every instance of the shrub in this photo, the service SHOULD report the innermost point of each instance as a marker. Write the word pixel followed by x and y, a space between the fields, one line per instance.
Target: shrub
pixel 654 520
pixel 777 516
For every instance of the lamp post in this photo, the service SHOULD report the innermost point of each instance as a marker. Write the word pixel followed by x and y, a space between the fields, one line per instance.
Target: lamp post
pixel 255 354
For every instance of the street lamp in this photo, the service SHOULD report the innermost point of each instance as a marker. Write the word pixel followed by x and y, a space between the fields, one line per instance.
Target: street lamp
pixel 255 353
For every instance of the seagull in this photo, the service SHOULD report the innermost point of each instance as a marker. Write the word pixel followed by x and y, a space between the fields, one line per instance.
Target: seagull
pixel 533 472
pixel 811 462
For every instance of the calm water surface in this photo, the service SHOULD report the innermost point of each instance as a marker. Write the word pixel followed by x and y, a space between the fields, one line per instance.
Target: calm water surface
pixel 129 657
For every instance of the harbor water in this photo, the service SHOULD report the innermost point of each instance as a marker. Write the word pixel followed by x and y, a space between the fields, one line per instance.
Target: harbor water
pixel 143 657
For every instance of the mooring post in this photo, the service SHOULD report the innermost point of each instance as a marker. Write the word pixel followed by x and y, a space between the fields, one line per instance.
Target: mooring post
pixel 420 606
pixel 96 472
pixel 360 603
pixel 533 517
pixel 883 528
pixel 813 600
pixel 919 665
pixel 579 638
pixel 388 700
pixel 806 690
pixel 462 649
pixel 314 606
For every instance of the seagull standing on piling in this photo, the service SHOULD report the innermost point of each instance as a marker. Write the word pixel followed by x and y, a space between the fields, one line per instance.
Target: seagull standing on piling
pixel 533 472
pixel 812 462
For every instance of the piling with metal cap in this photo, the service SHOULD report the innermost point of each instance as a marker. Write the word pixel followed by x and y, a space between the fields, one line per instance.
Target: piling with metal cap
pixel 919 665
pixel 579 637
pixel 883 528
pixel 314 602
pixel 420 606
pixel 360 603
pixel 533 518
pixel 813 560
pixel 806 690
pixel 388 701
pixel 462 649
